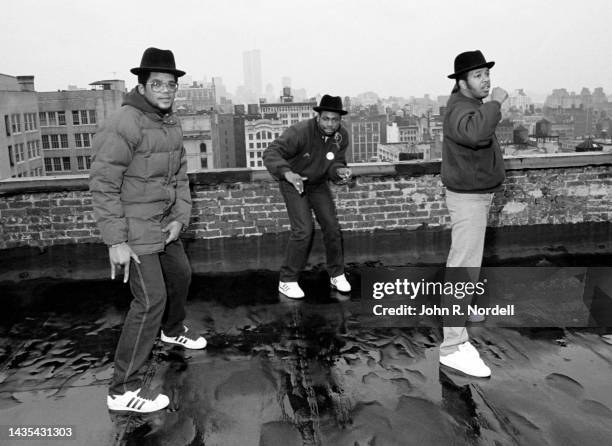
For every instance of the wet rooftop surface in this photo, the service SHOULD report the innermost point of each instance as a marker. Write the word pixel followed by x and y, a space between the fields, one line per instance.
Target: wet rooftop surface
pixel 296 373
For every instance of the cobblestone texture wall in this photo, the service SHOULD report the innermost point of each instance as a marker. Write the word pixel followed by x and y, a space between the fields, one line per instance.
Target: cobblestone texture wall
pixel 372 202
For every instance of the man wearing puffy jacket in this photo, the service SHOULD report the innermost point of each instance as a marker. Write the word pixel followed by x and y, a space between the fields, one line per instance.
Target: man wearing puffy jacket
pixel 141 203
pixel 472 170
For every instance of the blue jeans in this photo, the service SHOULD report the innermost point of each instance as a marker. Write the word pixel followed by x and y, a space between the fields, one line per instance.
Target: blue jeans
pixel 469 214
pixel 159 286
pixel 316 197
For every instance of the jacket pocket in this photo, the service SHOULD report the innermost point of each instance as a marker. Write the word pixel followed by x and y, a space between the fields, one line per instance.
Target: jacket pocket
pixel 144 232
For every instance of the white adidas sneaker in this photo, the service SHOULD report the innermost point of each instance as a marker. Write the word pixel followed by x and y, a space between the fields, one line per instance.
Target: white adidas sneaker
pixel 340 283
pixel 467 360
pixel 291 290
pixel 130 401
pixel 185 339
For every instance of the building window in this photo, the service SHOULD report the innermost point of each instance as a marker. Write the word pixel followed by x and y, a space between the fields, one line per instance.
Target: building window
pixel 29 120
pixel 66 162
pixel 45 142
pixel 51 119
pixel 82 140
pixel 250 136
pixel 11 160
pixel 16 123
pixel 19 153
pixel 251 154
pixel 61 118
pixel 204 163
pixel 84 117
pixel 75 117
pixel 42 118
pixel 83 162
pixel 251 145
pixel 202 147
pixel 64 141
pixel 259 164
pixel 7 125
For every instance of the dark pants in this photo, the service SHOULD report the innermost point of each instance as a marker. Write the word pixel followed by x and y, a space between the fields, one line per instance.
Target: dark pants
pixel 318 198
pixel 160 282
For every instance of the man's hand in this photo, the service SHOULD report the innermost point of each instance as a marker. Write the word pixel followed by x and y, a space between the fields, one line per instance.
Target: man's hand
pixel 499 95
pixel 297 181
pixel 173 229
pixel 344 173
pixel 119 257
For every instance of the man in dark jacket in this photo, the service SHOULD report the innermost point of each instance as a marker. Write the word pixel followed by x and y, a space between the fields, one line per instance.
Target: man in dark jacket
pixel 472 170
pixel 303 159
pixel 141 202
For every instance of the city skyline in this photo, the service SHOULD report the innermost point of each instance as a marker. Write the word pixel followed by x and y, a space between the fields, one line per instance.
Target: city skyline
pixel 345 48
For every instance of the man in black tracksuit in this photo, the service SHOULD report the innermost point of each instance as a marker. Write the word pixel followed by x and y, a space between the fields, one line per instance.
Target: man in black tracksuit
pixel 303 159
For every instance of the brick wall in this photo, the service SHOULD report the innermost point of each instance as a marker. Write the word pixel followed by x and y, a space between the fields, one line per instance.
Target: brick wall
pixel 245 203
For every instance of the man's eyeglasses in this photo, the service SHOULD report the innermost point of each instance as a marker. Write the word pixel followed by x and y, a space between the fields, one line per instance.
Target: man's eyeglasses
pixel 158 86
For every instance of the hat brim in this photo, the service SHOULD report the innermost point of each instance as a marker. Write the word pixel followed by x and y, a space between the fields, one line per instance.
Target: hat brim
pixel 482 65
pixel 139 70
pixel 335 110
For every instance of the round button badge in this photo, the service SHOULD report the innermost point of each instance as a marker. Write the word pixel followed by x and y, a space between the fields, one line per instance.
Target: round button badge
pixel 329 156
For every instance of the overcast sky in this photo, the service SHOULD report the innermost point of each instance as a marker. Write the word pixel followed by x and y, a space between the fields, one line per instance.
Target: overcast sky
pixel 344 47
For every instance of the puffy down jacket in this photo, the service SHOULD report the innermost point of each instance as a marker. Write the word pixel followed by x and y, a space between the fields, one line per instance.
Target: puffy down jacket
pixel 138 178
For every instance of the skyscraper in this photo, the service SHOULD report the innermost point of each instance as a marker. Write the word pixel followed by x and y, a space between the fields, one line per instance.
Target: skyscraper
pixel 252 72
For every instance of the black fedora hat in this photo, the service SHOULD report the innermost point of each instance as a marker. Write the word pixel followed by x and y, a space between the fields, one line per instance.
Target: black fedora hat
pixel 330 103
pixel 154 59
pixel 470 60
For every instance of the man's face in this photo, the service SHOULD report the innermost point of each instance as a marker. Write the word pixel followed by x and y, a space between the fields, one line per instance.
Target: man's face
pixel 329 122
pixel 159 90
pixel 477 85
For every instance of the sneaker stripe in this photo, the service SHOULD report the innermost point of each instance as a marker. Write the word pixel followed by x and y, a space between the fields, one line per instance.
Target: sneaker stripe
pixel 131 401
pixel 141 404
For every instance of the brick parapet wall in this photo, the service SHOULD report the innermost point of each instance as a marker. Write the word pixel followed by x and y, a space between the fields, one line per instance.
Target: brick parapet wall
pixel 246 203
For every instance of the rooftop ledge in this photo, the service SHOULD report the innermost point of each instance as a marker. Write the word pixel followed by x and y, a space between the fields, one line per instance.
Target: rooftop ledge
pixel 236 175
